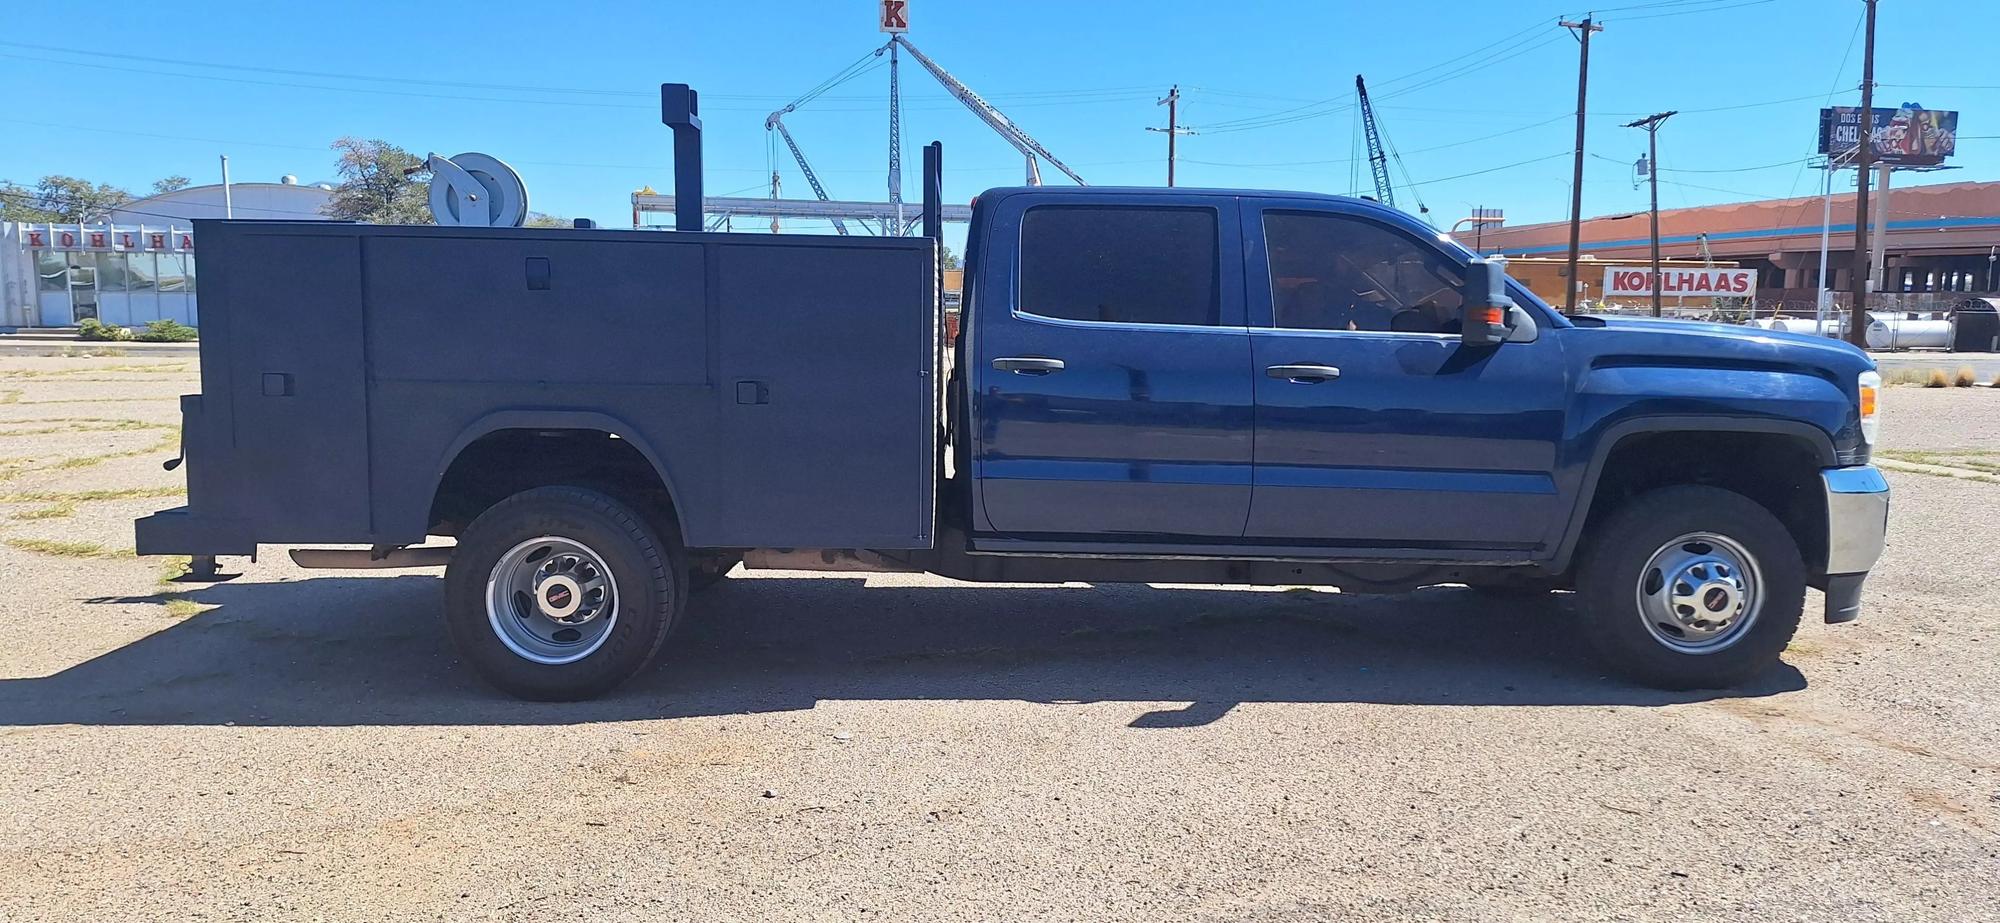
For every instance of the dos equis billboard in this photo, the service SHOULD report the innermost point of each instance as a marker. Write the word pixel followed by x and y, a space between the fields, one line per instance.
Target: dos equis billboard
pixel 1907 136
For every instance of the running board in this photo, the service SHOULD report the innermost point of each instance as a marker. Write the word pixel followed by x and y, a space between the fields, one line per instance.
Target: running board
pixel 847 560
pixel 370 559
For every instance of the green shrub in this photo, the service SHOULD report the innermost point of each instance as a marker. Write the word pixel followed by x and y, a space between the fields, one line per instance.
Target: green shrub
pixel 90 328
pixel 167 331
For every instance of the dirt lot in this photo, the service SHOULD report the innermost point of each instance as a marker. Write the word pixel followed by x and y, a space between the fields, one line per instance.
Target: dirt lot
pixel 292 745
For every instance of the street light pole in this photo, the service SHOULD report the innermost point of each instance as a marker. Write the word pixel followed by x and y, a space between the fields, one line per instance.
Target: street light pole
pixel 1652 124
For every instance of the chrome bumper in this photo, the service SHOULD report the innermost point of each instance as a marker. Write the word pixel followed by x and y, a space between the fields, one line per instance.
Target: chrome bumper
pixel 1857 526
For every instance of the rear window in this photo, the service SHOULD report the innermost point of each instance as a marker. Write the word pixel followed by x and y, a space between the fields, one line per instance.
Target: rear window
pixel 1127 265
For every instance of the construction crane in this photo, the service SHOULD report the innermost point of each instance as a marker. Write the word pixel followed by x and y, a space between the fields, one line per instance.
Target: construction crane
pixel 1377 160
pixel 776 121
pixel 1005 127
pixel 1380 152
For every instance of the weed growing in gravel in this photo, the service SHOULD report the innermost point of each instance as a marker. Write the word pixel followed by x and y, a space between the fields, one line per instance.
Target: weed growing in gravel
pixel 84 461
pixel 89 426
pixel 1965 377
pixel 174 568
pixel 184 608
pixel 1937 379
pixel 64 549
pixel 56 511
pixel 162 367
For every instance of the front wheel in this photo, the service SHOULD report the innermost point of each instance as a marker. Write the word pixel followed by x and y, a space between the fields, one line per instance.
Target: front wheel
pixel 1691 588
pixel 561 593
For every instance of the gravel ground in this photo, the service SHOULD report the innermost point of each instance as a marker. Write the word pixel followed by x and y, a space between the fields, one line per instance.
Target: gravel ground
pixel 296 745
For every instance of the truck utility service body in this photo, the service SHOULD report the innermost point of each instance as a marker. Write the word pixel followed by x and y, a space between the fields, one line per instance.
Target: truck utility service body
pixel 1161 385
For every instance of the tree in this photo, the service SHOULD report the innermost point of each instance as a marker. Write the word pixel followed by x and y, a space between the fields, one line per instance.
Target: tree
pixel 546 220
pixel 60 198
pixel 380 183
pixel 166 184
pixel 950 258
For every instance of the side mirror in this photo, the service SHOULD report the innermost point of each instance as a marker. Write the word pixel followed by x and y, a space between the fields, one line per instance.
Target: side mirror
pixel 1485 306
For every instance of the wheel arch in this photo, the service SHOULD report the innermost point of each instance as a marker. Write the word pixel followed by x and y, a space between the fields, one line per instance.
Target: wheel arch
pixel 501 422
pixel 1808 440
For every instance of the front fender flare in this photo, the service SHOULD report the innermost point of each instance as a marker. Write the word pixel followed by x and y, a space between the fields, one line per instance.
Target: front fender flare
pixel 1608 440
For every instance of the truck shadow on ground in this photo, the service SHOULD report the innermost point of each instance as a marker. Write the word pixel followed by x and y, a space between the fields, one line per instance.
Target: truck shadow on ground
pixel 368 651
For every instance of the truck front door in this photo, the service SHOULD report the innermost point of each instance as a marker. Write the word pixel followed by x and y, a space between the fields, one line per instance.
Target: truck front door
pixel 1113 379
pixel 1375 426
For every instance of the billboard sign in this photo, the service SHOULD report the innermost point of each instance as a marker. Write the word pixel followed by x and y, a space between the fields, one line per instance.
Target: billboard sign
pixel 893 16
pixel 1907 136
pixel 1637 281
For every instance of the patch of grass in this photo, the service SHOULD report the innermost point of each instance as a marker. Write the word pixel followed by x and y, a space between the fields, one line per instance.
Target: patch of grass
pixel 10 396
pixel 73 462
pixel 161 367
pixel 1965 377
pixel 64 549
pixel 1937 379
pixel 56 511
pixel 108 426
pixel 184 608
pixel 1905 376
pixel 92 496
pixel 89 352
pixel 174 567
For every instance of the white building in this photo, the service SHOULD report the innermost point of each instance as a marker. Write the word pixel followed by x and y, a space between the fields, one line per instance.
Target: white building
pixel 137 267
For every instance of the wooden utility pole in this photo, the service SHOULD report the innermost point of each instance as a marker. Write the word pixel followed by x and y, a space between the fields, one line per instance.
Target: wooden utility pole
pixel 1651 124
pixel 1857 318
pixel 1583 31
pixel 1172 102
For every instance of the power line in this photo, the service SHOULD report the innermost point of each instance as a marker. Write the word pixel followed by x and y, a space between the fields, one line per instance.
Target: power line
pixel 1689 12
pixel 1508 166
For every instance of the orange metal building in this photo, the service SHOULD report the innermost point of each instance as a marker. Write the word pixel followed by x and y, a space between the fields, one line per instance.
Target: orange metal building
pixel 1940 239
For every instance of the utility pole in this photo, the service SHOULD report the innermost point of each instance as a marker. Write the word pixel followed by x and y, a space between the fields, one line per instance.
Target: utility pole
pixel 1583 31
pixel 1652 124
pixel 1172 101
pixel 1857 320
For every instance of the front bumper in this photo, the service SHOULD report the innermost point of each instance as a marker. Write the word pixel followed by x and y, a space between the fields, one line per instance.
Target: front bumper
pixel 1857 527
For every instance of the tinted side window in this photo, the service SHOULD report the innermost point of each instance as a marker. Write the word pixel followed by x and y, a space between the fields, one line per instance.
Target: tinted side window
pixel 1330 272
pixel 1133 265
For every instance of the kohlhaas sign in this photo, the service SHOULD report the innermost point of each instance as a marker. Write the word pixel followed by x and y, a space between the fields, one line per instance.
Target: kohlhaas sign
pixel 895 15
pixel 1907 136
pixel 1635 281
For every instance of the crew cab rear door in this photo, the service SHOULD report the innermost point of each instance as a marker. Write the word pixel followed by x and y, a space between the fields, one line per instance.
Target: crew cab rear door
pixel 1376 427
pixel 1113 397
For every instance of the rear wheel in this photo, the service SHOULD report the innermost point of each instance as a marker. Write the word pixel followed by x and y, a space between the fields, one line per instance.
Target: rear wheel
pixel 1691 588
pixel 562 593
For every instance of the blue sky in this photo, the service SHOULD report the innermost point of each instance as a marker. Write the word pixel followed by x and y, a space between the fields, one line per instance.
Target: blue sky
pixel 1461 88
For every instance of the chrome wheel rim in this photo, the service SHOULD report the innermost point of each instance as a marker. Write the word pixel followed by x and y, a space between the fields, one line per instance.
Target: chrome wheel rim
pixel 552 600
pixel 1700 593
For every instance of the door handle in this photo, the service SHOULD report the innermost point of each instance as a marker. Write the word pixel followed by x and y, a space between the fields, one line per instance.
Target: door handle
pixel 1304 373
pixel 1028 365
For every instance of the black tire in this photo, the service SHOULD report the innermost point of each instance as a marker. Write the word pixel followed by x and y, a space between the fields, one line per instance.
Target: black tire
pixel 1610 579
pixel 646 563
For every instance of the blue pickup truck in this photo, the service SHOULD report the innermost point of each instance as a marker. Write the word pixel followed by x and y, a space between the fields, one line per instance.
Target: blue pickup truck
pixel 1149 385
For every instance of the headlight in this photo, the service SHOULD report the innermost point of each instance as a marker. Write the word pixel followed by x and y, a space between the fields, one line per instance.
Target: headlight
pixel 1868 385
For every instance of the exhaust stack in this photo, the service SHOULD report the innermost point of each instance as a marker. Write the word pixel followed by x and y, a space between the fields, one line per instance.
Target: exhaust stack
pixel 680 109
